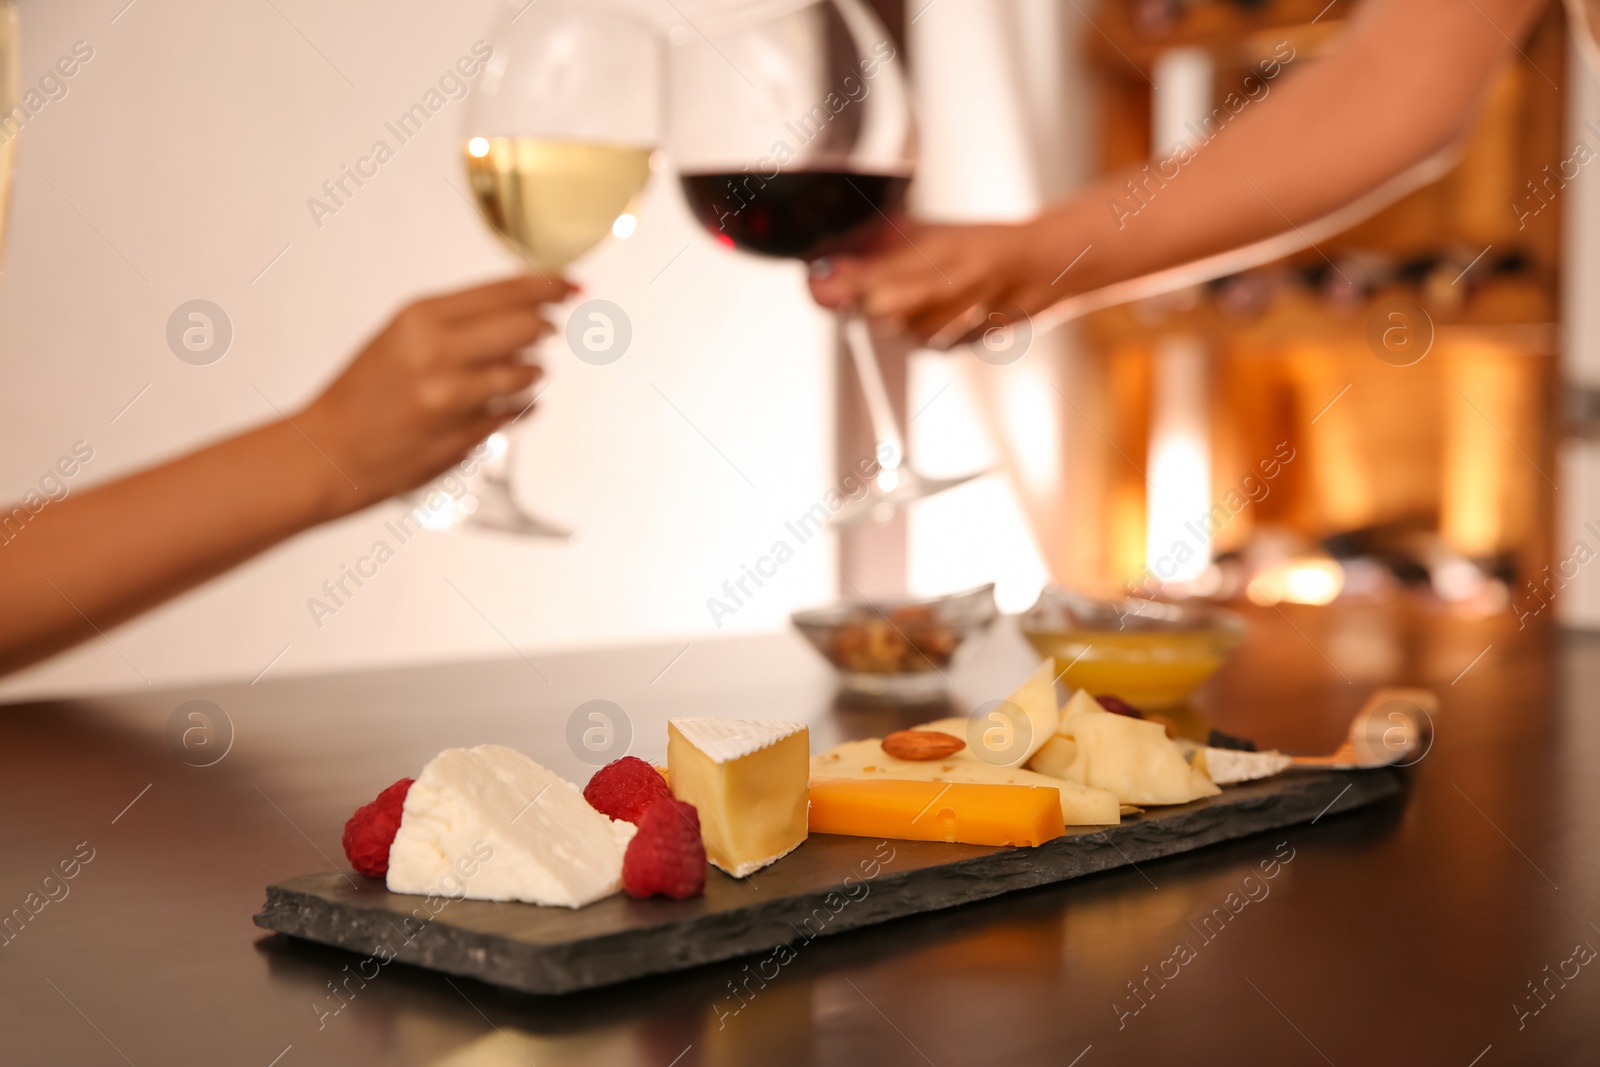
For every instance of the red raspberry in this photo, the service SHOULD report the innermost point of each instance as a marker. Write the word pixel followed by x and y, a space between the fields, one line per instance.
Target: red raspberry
pixel 666 856
pixel 371 830
pixel 625 789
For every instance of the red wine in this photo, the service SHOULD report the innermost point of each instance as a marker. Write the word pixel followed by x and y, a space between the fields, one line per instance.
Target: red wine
pixel 802 214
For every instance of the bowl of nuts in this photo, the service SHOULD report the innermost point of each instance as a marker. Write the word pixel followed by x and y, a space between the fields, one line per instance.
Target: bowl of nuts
pixel 897 651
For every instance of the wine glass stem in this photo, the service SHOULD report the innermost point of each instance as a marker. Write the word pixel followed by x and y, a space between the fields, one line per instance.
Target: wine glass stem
pixel 885 427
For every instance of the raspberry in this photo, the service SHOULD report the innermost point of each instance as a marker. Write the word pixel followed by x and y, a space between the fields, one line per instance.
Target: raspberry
pixel 625 789
pixel 666 856
pixel 371 830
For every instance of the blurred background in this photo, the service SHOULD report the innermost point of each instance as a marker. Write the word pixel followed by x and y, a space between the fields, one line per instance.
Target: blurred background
pixel 1343 472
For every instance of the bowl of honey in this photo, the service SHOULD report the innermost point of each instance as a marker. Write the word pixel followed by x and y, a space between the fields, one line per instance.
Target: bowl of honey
pixel 1152 654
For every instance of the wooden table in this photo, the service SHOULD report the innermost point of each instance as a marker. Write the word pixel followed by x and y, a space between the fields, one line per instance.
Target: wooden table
pixel 1406 933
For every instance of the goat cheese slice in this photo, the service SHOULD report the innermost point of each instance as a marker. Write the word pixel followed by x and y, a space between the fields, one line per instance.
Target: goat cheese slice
pixel 489 823
pixel 749 780
pixel 1227 766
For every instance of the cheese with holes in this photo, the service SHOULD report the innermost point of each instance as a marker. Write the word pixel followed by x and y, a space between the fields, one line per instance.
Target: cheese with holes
pixel 1132 758
pixel 491 824
pixel 973 814
pixel 1080 805
pixel 748 778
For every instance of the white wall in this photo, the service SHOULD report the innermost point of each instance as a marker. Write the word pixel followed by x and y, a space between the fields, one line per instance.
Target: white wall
pixel 190 144
pixel 1006 127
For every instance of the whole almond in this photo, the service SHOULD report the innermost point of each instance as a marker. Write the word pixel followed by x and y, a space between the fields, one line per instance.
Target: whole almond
pixel 921 745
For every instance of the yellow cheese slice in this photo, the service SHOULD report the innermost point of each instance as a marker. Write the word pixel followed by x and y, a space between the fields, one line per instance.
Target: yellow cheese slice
pixel 1132 758
pixel 748 780
pixel 1080 805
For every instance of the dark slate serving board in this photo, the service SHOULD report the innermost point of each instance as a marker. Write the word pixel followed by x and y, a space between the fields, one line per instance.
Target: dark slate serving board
pixel 828 885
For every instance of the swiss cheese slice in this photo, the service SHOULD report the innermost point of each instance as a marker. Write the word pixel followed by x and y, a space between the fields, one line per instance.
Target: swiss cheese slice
pixel 748 779
pixel 1080 805
pixel 1132 758
pixel 491 824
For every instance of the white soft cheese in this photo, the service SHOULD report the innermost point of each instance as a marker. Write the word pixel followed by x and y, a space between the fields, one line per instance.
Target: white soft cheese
pixel 491 824
pixel 726 740
pixel 1226 766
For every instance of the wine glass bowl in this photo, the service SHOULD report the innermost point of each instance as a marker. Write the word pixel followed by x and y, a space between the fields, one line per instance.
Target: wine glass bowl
pixel 559 139
pixel 550 201
pixel 791 127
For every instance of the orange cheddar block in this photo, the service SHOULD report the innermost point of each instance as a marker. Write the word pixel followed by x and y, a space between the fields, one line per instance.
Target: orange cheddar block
pixel 971 813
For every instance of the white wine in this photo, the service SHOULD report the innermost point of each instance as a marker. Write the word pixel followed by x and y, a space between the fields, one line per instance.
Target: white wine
pixel 10 80
pixel 553 200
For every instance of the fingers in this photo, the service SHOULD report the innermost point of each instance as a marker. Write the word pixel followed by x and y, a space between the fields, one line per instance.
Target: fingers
pixel 493 336
pixel 519 291
pixel 477 392
pixel 840 285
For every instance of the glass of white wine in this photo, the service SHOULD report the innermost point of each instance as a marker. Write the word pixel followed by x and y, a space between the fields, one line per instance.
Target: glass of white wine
pixel 10 91
pixel 559 139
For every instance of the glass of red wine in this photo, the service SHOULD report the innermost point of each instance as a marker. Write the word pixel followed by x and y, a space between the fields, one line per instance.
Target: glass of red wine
pixel 790 124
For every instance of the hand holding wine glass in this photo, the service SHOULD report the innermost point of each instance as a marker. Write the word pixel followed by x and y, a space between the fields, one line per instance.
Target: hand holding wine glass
pixel 930 285
pixel 439 377
pixel 560 138
pixel 793 136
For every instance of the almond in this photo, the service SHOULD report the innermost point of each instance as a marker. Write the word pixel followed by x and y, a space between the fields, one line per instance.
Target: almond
pixel 921 745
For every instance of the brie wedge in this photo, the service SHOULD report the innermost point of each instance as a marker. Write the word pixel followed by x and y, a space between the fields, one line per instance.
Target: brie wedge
pixel 491 824
pixel 748 779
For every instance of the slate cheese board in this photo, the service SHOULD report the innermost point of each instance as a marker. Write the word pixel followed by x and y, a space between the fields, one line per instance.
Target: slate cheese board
pixel 827 886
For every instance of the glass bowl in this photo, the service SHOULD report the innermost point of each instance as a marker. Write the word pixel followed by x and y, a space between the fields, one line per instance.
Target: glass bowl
pixel 1152 654
pixel 896 651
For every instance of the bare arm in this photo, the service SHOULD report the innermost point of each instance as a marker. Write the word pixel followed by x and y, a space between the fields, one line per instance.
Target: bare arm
pixel 1403 86
pixel 422 393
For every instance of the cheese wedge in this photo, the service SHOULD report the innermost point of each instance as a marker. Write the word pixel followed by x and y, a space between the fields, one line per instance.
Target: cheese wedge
pixel 1132 758
pixel 491 824
pixel 748 779
pixel 1055 757
pixel 932 811
pixel 1037 699
pixel 1080 805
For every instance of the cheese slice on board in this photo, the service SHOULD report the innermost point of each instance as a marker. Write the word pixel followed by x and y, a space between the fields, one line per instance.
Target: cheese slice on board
pixel 1037 699
pixel 932 811
pixel 1080 805
pixel 748 779
pixel 1132 758
pixel 494 821
pixel 1226 766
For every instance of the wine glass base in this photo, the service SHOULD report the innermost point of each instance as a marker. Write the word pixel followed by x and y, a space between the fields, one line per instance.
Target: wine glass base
pixel 501 514
pixel 881 505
